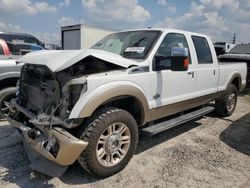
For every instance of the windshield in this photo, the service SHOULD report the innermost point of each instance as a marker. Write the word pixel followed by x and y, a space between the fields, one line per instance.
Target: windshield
pixel 131 44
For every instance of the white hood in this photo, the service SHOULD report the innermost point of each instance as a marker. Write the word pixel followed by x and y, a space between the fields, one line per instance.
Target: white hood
pixel 57 60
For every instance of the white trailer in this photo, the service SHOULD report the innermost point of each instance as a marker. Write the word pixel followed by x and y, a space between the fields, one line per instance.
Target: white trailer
pixel 82 36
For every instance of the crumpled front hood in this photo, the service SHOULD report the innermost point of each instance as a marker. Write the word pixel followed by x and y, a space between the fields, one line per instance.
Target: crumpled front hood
pixel 57 60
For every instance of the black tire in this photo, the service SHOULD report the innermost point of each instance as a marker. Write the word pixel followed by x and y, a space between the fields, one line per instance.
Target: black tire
pixel 5 96
pixel 222 105
pixel 97 124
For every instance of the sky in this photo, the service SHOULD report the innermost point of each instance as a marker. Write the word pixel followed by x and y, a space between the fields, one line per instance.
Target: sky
pixel 219 19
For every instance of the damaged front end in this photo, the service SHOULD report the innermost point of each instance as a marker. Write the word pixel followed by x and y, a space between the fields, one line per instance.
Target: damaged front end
pixel 40 113
pixel 41 110
pixel 50 150
pixel 51 83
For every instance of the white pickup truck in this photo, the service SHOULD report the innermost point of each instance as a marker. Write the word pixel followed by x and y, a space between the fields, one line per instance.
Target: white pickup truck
pixel 88 105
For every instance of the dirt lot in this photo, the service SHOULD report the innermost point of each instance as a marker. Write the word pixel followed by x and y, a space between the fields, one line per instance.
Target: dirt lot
pixel 210 152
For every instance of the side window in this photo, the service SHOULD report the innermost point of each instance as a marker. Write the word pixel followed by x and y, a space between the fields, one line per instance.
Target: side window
pixel 202 48
pixel 171 40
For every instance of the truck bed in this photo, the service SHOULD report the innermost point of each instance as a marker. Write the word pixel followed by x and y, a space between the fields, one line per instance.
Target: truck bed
pixel 229 68
pixel 237 58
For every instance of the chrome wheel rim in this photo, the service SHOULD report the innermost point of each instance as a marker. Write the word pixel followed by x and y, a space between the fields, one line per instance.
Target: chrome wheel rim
pixel 113 144
pixel 231 101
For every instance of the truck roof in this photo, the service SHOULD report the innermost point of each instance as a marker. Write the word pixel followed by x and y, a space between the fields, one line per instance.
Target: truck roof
pixel 165 30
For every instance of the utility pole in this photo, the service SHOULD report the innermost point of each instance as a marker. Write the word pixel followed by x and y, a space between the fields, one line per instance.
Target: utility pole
pixel 233 40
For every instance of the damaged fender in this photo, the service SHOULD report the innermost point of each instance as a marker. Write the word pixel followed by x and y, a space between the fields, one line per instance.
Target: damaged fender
pixel 86 105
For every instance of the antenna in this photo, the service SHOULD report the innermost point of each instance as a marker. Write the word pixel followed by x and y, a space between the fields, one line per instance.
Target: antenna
pixel 233 40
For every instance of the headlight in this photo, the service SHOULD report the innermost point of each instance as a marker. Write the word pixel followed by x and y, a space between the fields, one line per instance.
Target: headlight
pixel 74 89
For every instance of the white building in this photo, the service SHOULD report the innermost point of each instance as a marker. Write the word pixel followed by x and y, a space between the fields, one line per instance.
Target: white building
pixel 82 36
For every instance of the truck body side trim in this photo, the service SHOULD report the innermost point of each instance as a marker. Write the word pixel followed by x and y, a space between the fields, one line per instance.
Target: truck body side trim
pixel 171 109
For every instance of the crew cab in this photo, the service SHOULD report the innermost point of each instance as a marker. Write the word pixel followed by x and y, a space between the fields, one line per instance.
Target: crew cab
pixel 89 105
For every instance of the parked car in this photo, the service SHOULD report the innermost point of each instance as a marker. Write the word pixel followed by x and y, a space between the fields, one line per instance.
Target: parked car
pixel 9 74
pixel 9 70
pixel 21 43
pixel 88 105
pixel 23 48
pixel 20 38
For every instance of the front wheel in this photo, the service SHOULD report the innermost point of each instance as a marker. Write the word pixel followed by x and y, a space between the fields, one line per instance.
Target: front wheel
pixel 226 106
pixel 112 136
pixel 6 95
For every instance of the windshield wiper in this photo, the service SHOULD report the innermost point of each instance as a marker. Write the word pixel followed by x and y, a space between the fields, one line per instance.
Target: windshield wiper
pixel 138 42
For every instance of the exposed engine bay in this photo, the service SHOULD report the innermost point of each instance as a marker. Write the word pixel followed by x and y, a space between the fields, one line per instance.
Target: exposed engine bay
pixel 47 98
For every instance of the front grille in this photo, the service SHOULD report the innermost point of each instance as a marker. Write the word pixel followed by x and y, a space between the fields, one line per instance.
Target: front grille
pixel 39 89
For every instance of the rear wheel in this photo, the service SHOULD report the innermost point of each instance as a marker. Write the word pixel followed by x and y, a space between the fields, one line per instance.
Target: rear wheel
pixel 226 106
pixel 112 136
pixel 6 95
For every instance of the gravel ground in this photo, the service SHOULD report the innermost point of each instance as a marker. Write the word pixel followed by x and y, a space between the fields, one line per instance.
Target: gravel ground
pixel 209 152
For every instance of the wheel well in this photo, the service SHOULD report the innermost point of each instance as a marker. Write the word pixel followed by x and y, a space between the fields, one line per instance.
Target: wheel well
pixel 128 103
pixel 8 82
pixel 236 82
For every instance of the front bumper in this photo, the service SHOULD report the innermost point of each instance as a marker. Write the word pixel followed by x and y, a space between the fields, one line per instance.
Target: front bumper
pixel 44 158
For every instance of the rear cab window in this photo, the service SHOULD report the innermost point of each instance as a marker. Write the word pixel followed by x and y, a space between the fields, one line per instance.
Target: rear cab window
pixel 203 52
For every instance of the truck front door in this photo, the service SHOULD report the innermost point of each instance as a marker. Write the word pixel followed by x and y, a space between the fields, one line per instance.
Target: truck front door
pixel 171 87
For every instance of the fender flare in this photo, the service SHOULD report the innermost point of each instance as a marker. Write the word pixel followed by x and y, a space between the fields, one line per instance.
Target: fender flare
pixel 236 75
pixel 111 93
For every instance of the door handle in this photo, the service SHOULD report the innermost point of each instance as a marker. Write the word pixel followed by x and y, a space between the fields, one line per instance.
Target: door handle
pixel 191 73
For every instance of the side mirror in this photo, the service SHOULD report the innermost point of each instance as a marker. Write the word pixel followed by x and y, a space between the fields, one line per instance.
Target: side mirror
pixel 157 62
pixel 179 59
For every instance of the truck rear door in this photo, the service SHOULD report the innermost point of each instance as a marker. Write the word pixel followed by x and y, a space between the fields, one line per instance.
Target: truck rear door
pixel 206 71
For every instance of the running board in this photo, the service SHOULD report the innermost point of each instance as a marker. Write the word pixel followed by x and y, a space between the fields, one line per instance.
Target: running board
pixel 157 128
